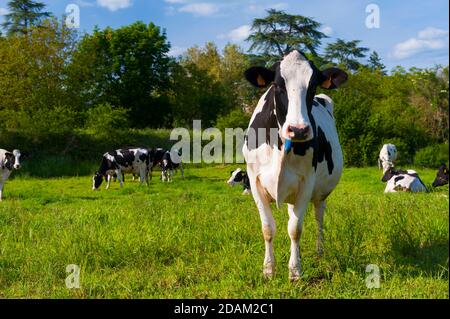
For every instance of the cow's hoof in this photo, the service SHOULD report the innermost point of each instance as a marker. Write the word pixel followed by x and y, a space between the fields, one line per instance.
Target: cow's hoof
pixel 294 275
pixel 268 271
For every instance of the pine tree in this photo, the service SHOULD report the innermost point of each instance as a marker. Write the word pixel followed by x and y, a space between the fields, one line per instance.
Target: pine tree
pixel 23 14
pixel 375 63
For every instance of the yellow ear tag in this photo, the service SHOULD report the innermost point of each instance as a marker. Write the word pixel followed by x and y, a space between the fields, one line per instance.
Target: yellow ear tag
pixel 260 80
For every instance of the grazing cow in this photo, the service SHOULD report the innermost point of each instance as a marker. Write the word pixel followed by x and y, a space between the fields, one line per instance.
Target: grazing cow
pixel 9 161
pixel 441 176
pixel 387 157
pixel 156 158
pixel 134 160
pixel 403 181
pixel 297 158
pixel 238 176
pixel 171 161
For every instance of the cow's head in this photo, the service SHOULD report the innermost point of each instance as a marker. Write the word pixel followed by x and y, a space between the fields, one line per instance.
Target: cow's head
pixel 12 160
pixel 295 80
pixel 441 176
pixel 237 177
pixel 97 180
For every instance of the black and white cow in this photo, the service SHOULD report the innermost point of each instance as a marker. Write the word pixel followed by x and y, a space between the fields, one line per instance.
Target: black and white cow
pixel 298 158
pixel 403 181
pixel 171 161
pixel 441 176
pixel 156 159
pixel 9 161
pixel 387 157
pixel 238 176
pixel 133 160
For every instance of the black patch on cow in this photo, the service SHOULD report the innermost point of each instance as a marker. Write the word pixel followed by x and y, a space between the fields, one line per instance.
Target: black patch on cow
pixel 321 101
pixel 324 151
pixel 10 161
pixel 125 158
pixel 399 178
pixel 266 119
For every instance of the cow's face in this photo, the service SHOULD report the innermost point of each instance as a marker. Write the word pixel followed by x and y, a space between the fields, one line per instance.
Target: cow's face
pixel 97 180
pixel 237 177
pixel 441 177
pixel 295 80
pixel 12 160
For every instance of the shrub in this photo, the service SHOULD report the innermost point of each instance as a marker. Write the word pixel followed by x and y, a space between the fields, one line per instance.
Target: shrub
pixel 432 156
pixel 105 118
pixel 234 119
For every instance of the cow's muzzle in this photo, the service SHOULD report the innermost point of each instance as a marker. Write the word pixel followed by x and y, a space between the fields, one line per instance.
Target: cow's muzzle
pixel 17 166
pixel 299 133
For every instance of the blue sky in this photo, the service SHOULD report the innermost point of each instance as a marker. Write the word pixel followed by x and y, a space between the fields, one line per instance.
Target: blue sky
pixel 411 33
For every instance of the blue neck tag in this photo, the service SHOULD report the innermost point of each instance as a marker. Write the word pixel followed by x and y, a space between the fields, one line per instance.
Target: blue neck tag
pixel 287 146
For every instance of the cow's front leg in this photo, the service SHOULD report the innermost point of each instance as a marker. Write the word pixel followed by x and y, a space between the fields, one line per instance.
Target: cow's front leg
pixel 182 171
pixel 108 180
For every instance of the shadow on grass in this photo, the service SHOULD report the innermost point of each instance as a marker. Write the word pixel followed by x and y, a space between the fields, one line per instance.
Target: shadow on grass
pixel 430 258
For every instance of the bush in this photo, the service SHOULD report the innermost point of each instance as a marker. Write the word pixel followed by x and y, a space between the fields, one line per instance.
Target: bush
pixel 104 119
pixel 234 119
pixel 432 156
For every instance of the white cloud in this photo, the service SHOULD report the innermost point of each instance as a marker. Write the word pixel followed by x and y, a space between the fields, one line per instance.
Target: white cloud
pixel 237 35
pixel 3 11
pixel 327 30
pixel 429 39
pixel 114 5
pixel 200 9
pixel 432 33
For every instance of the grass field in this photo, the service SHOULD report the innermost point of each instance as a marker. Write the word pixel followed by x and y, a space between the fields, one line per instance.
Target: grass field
pixel 199 238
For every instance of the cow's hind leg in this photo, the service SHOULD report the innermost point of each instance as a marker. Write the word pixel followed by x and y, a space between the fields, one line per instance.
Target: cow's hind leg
pixel 319 208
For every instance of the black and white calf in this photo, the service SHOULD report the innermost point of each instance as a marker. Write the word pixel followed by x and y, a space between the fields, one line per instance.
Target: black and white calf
pixel 9 161
pixel 299 159
pixel 387 157
pixel 441 176
pixel 238 176
pixel 171 161
pixel 403 181
pixel 134 160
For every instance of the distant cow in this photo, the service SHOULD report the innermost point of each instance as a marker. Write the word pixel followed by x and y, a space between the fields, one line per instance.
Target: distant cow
pixel 298 159
pixel 134 160
pixel 238 176
pixel 387 157
pixel 171 161
pixel 441 176
pixel 156 158
pixel 403 181
pixel 9 161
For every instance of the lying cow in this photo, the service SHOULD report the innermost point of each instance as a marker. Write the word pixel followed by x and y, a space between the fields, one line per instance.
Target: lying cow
pixel 238 176
pixel 387 157
pixel 441 176
pixel 299 159
pixel 171 161
pixel 9 161
pixel 403 181
pixel 135 160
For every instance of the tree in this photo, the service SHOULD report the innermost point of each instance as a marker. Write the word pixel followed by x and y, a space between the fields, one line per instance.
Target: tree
pixel 24 14
pixel 127 67
pixel 375 63
pixel 345 53
pixel 279 32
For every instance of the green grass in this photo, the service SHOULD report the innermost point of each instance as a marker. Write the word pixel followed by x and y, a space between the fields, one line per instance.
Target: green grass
pixel 198 238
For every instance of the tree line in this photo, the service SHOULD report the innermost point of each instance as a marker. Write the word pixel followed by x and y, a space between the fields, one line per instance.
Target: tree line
pixel 57 82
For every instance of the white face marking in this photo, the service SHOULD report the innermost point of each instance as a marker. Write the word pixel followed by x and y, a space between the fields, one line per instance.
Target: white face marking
pixel 17 154
pixel 296 72
pixel 231 181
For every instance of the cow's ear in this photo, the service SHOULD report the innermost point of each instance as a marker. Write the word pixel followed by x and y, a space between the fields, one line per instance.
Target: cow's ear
pixel 333 78
pixel 259 76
